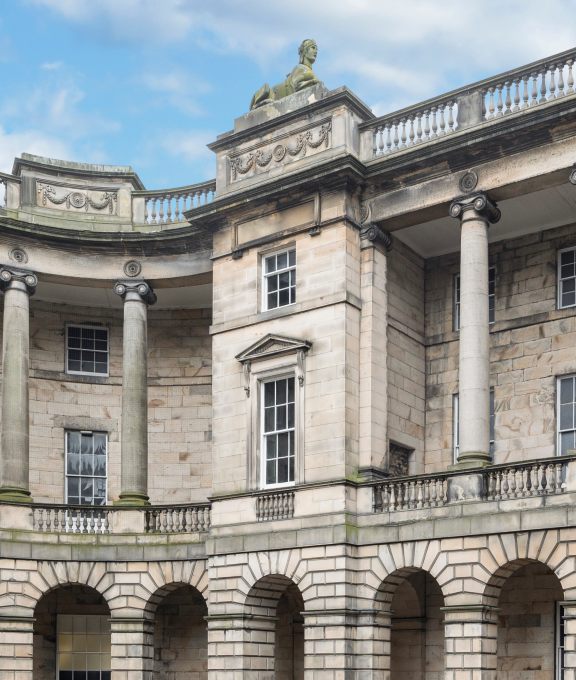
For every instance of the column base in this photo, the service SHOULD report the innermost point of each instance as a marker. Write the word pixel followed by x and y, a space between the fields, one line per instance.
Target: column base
pixel 472 460
pixel 132 498
pixel 14 494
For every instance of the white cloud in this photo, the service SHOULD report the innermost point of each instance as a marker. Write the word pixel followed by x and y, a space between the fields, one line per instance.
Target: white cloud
pixel 52 66
pixel 407 51
pixel 31 141
pixel 178 89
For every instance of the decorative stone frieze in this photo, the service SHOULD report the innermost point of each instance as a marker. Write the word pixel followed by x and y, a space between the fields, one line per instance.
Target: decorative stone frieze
pixel 263 157
pixel 80 200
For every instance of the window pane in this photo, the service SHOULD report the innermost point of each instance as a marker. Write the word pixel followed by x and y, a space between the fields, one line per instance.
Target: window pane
pixel 65 642
pixel 271 447
pixel 100 368
pixel 73 442
pixel 291 470
pixel 291 416
pixel 281 418
pixel 100 466
pixel 282 470
pixel 272 283
pixel 292 258
pixel 74 365
pixel 566 442
pixel 284 280
pixel 75 355
pixel 269 390
pixel 271 264
pixel 269 420
pixel 282 260
pixel 87 465
pixel 65 661
pixel 101 334
pixel 73 332
pixel 271 472
pixel 86 487
pixel 272 301
pixel 86 444
pixel 290 389
pixel 100 488
pixel 73 466
pixel 281 391
pixel 567 257
pixel 88 333
pixel 74 342
pixel 283 445
pixel 284 297
pixel 566 417
pixel 99 444
pixel 566 390
pixel 101 345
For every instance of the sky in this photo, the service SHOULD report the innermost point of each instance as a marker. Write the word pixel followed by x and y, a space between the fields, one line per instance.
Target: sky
pixel 148 83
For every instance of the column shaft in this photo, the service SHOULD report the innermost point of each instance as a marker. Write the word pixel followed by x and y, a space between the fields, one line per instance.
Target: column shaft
pixel 476 214
pixel 134 439
pixel 15 436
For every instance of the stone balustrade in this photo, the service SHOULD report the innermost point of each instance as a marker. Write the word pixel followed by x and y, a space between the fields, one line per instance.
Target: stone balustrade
pixel 180 519
pixel 9 191
pixel 509 93
pixel 499 482
pixel 168 206
pixel 71 519
pixel 275 505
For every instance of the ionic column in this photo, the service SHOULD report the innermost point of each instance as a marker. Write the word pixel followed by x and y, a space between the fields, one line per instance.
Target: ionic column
pixel 373 412
pixel 476 213
pixel 18 285
pixel 137 295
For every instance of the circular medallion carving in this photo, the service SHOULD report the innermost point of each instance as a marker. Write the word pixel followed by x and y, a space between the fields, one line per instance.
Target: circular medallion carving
pixel 18 255
pixel 77 199
pixel 468 181
pixel 132 268
pixel 142 289
pixel 279 152
pixel 5 275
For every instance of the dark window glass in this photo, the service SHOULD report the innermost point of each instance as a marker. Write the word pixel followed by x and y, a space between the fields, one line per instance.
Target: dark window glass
pixel 86 468
pixel 280 280
pixel 567 282
pixel 87 350
pixel 566 415
pixel 279 430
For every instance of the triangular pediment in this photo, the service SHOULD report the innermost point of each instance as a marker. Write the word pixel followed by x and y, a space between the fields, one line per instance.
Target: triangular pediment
pixel 271 345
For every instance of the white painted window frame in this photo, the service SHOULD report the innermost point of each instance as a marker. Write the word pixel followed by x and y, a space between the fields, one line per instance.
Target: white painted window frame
pixel 66 475
pixel 458 304
pixel 265 277
pixel 571 376
pixel 58 630
pixel 66 349
pixel 559 280
pixel 281 485
pixel 274 368
pixel 456 425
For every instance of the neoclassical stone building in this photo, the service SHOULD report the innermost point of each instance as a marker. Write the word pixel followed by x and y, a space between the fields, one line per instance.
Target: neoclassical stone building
pixel 314 419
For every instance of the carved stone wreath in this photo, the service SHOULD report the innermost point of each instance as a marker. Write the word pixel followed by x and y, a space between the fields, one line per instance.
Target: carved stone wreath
pixel 76 199
pixel 303 141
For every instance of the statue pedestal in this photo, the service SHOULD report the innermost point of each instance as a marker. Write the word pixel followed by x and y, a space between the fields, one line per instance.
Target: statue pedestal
pixel 280 108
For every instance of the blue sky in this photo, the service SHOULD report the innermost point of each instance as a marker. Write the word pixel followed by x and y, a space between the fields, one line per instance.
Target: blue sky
pixel 148 83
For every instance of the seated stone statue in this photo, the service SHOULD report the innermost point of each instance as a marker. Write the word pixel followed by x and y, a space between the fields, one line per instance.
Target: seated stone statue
pixel 301 77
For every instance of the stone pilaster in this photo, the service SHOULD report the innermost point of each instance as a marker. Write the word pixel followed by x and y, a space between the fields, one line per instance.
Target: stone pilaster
pixel 346 643
pixel 132 649
pixel 241 646
pixel 476 212
pixel 137 295
pixel 18 285
pixel 16 647
pixel 373 416
pixel 569 640
pixel 471 642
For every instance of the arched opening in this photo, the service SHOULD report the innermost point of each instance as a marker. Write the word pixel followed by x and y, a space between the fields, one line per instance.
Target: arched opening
pixel 417 635
pixel 529 622
pixel 181 636
pixel 72 635
pixel 278 599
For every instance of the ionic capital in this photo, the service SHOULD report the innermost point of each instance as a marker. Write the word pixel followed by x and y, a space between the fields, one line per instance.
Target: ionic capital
pixel 375 235
pixel 12 277
pixel 479 203
pixel 131 290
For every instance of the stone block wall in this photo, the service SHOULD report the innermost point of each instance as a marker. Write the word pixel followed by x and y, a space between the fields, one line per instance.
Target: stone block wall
pixel 531 345
pixel 179 406
pixel 406 354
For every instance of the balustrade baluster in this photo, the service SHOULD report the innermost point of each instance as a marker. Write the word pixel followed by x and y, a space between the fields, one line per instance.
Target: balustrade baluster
pixel 525 95
pixel 491 108
pixel 570 81
pixel 396 140
pixel 561 92
pixel 194 519
pixel 512 483
pixel 388 130
pixel 426 493
pixel 500 104
pixel 403 134
pixel 543 87
pixel 291 504
pixel 375 141
pixel 412 496
pixel 161 219
pixel 434 123
pixel 419 129
pixel 168 210
pixel 542 479
pixel 552 94
pixel 426 125
pixel 406 503
pixel 520 486
pixel 516 82
pixel 508 102
pixel 433 493
pixel 550 478
pixel 384 497
pixel 441 123
pixel 558 484
pixel 392 499
pixel 153 218
pixel 534 101
pixel 411 133
pixel 505 485
pixel 420 496
pixel 450 118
